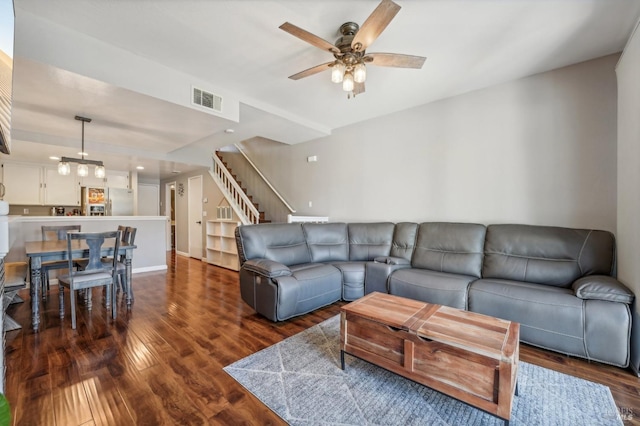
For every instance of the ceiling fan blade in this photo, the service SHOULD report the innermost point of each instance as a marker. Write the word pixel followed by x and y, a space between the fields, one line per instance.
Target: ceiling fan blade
pixel 311 71
pixel 374 25
pixel 358 88
pixel 394 60
pixel 309 38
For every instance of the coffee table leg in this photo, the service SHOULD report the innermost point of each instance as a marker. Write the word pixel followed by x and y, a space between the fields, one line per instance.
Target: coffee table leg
pixel 342 359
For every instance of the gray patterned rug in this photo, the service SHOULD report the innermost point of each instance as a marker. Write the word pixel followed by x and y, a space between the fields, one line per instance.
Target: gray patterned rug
pixel 300 379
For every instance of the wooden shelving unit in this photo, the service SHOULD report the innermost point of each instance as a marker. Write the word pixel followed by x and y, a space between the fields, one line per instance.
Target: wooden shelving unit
pixel 221 244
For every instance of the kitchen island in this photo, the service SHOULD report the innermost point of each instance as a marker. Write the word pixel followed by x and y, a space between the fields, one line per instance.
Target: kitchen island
pixel 151 240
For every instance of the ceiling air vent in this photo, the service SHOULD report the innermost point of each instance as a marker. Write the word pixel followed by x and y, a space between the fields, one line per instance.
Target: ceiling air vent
pixel 206 99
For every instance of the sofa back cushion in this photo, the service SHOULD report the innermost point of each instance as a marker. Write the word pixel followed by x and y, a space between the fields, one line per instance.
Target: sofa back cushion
pixel 404 240
pixel 455 248
pixel 546 255
pixel 281 242
pixel 370 240
pixel 327 242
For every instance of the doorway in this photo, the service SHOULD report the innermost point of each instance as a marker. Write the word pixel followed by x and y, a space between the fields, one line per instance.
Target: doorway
pixel 170 213
pixel 195 216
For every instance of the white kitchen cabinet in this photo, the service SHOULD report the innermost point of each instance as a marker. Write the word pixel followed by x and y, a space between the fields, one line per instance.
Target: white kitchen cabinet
pixel 61 190
pixel 117 179
pixel 35 184
pixel 91 181
pixel 23 183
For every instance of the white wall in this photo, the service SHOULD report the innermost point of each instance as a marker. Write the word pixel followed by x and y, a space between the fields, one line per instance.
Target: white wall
pixel 628 71
pixel 148 199
pixel 539 150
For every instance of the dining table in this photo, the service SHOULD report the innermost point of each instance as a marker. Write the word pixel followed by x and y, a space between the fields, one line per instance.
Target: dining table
pixel 44 251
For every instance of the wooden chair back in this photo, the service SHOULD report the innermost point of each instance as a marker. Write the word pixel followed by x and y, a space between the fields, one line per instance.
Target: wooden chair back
pixel 95 241
pixel 58 232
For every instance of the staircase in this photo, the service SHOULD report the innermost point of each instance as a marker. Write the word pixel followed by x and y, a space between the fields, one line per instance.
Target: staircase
pixel 246 209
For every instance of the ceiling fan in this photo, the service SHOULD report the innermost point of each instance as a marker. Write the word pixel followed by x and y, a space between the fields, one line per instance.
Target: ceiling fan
pixel 349 50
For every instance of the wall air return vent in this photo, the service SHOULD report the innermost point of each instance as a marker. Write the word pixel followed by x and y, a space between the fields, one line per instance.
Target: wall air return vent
pixel 206 99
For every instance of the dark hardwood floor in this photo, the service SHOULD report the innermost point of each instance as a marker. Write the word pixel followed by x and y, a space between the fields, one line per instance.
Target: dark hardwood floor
pixel 161 363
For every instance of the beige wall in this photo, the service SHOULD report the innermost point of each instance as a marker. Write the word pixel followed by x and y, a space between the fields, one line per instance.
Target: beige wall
pixel 628 71
pixel 539 150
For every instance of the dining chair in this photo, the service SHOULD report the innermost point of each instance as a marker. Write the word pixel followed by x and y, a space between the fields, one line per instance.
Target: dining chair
pixel 128 236
pixel 49 233
pixel 96 273
pixel 130 239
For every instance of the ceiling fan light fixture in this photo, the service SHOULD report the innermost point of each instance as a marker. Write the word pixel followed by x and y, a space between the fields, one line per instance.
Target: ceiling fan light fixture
pixel 347 82
pixel 359 73
pixel 337 72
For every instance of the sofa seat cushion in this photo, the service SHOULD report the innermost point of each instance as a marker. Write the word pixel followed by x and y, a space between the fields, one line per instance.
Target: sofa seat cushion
pixel 549 317
pixel 309 287
pixel 431 286
pixel 352 279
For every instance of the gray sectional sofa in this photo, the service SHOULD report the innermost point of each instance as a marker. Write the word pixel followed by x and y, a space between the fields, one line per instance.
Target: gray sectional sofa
pixel 558 283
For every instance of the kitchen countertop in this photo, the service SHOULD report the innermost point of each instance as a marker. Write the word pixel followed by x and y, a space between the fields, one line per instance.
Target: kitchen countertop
pixel 76 218
pixel 151 235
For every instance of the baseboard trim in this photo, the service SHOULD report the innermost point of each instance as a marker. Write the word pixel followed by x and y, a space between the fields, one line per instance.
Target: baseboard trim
pixel 181 253
pixel 150 269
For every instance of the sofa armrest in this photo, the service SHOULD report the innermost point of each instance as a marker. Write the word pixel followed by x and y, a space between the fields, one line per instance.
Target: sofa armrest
pixel 266 268
pixel 377 274
pixel 602 287
pixel 392 260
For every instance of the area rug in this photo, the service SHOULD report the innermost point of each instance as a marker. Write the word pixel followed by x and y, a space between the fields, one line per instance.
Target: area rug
pixel 300 379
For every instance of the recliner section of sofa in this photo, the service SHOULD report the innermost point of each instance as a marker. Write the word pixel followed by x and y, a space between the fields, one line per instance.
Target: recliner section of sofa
pixel 529 274
pixel 556 282
pixel 278 278
pixel 447 258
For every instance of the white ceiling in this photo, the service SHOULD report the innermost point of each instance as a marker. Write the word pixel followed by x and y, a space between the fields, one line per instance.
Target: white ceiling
pixel 130 65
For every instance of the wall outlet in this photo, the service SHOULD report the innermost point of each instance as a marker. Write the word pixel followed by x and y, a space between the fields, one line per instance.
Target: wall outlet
pixel 204 212
pixel 312 159
pixel 310 203
pixel 25 211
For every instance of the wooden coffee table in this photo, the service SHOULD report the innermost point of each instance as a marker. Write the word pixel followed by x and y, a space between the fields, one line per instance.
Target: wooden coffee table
pixel 468 356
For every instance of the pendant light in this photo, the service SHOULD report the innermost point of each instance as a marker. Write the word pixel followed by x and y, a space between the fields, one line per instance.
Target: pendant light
pixel 83 164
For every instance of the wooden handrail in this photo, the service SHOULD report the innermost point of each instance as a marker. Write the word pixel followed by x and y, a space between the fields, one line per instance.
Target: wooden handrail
pixel 241 204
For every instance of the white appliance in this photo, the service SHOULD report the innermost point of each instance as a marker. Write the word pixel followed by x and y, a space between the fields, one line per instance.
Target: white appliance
pixel 119 202
pixel 107 202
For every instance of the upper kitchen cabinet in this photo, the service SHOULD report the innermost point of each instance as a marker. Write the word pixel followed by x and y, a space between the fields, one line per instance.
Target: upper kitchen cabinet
pixel 32 184
pixel 23 183
pixel 117 179
pixel 59 189
pixel 92 182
